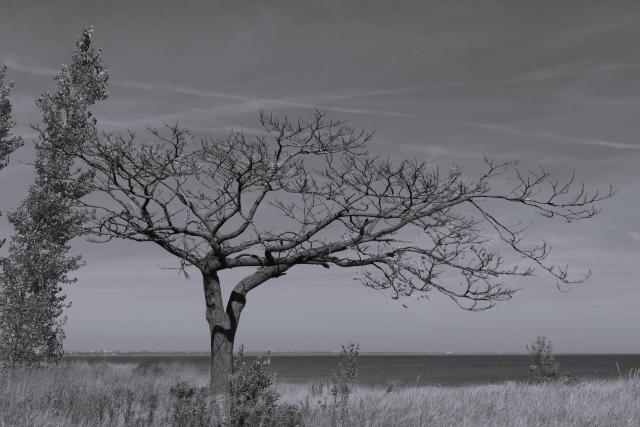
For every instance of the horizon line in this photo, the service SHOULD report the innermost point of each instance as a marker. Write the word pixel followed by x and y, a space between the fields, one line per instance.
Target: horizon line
pixel 333 352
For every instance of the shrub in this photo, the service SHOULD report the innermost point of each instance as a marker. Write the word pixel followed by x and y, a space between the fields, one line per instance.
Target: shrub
pixel 190 406
pixel 544 366
pixel 254 401
pixel 343 384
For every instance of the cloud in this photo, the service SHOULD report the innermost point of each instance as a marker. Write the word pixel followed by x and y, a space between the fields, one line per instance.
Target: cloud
pixel 247 103
pixel 182 90
pixel 31 69
pixel 556 71
pixel 434 151
pixel 545 134
pixel 206 114
pixel 389 92
pixel 244 104
pixel 286 103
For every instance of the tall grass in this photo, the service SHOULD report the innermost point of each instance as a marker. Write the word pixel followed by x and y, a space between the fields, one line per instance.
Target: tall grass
pixel 120 395
pixel 597 403
pixel 89 395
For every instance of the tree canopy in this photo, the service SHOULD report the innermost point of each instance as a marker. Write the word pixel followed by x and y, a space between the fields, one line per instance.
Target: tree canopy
pixel 308 193
pixel 304 192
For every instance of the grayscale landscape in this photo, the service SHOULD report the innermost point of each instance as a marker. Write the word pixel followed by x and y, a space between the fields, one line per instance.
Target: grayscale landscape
pixel 338 213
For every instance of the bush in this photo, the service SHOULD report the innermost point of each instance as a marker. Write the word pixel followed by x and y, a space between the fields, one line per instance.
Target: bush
pixel 253 397
pixel 343 385
pixel 191 406
pixel 254 401
pixel 544 366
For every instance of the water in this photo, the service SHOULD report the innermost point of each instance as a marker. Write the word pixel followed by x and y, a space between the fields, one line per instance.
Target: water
pixel 383 370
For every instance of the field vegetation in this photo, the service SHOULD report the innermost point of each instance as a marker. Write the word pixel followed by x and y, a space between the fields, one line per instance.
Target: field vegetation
pixel 81 394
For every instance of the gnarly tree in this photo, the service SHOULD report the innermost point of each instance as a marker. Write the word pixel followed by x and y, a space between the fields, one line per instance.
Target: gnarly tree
pixel 308 193
pixel 38 263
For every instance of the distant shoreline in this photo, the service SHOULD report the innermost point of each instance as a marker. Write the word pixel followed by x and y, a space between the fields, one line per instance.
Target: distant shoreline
pixel 299 354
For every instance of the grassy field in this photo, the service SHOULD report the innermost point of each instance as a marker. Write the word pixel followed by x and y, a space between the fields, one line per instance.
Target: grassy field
pixel 121 395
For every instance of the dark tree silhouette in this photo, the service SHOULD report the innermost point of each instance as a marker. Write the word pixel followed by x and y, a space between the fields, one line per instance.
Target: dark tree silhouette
pixel 307 193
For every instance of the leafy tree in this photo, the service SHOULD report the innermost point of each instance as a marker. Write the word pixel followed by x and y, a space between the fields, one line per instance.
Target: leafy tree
pixel 307 193
pixel 38 262
pixel 8 142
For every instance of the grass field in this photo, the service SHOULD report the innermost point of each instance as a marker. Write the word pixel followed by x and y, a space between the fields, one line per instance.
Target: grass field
pixel 121 395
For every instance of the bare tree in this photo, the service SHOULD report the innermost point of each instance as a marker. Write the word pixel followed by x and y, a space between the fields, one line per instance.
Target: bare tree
pixel 307 192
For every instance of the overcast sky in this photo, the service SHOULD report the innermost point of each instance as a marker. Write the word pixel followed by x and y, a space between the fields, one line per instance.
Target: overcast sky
pixel 556 83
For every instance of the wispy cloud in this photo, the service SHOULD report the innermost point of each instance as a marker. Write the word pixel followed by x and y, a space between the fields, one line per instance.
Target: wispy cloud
pixel 31 69
pixel 182 90
pixel 545 134
pixel 275 103
pixel 249 103
pixel 556 71
pixel 324 97
pixel 229 110
pixel 431 150
pixel 572 69
pixel 390 92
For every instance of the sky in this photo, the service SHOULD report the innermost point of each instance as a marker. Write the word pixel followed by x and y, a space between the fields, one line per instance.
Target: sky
pixel 546 82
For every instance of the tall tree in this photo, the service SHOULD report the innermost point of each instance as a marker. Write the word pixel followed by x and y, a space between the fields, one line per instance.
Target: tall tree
pixel 307 193
pixel 38 263
pixel 8 142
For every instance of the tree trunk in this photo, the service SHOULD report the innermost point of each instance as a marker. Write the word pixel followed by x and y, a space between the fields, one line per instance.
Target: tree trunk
pixel 220 334
pixel 223 325
pixel 221 359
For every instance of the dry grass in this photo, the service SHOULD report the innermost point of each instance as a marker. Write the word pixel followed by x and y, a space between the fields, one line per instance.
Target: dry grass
pixel 112 395
pixel 597 403
pixel 89 395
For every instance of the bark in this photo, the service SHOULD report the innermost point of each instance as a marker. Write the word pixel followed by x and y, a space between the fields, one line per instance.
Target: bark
pixel 223 330
pixel 220 333
pixel 223 325
pixel 223 322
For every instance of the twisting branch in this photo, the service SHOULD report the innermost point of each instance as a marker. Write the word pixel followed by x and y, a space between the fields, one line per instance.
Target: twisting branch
pixel 309 193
